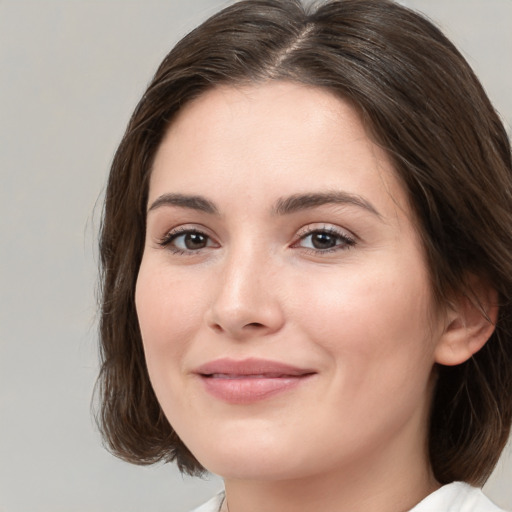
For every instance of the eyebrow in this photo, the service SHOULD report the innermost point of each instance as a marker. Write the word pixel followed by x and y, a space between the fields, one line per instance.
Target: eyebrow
pixel 283 206
pixel 298 202
pixel 198 203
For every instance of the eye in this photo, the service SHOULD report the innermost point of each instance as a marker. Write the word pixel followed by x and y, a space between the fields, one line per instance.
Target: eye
pixel 183 241
pixel 324 240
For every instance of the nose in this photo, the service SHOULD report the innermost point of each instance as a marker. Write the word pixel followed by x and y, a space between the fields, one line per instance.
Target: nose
pixel 246 304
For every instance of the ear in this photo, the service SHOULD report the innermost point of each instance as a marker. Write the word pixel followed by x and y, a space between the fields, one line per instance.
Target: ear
pixel 470 322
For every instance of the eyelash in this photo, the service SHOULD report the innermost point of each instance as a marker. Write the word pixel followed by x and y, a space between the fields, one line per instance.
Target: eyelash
pixel 171 237
pixel 343 240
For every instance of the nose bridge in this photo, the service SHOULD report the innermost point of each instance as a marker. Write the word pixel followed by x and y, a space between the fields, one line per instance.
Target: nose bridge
pixel 246 303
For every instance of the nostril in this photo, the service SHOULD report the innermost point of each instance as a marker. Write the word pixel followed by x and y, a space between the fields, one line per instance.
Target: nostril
pixel 254 325
pixel 217 327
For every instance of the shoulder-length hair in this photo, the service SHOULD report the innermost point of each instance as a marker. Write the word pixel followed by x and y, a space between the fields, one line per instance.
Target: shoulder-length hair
pixel 422 103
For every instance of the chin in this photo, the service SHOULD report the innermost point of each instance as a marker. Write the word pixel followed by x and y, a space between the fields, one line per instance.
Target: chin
pixel 255 468
pixel 244 458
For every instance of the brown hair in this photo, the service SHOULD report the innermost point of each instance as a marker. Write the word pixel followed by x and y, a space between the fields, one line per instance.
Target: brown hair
pixel 423 104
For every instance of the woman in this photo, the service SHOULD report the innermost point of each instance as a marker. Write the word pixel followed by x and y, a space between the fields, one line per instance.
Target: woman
pixel 306 264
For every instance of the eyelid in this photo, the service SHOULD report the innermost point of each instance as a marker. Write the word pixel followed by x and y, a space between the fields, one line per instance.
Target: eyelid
pixel 171 234
pixel 324 226
pixel 348 238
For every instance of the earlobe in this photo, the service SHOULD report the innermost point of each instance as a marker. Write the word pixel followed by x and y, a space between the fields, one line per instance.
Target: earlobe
pixel 470 322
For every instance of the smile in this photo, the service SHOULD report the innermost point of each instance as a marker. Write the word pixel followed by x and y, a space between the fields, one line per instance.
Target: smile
pixel 249 380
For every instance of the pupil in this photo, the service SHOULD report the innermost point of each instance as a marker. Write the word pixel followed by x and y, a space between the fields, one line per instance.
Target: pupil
pixel 323 241
pixel 195 241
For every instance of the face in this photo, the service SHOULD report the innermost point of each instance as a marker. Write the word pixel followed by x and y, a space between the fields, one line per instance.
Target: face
pixel 283 295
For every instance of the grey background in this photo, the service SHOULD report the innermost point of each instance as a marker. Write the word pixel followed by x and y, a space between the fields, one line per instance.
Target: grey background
pixel 71 72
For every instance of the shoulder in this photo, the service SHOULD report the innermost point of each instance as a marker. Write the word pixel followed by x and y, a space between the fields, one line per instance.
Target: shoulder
pixel 212 505
pixel 457 497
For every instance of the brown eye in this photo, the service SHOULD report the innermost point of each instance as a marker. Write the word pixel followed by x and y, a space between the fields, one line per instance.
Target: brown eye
pixel 321 240
pixel 194 241
pixel 325 240
pixel 187 241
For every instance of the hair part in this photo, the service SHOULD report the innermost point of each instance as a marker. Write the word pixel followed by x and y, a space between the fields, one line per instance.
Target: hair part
pixel 422 103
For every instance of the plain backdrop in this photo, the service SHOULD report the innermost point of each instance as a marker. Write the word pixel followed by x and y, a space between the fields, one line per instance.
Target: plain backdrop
pixel 71 72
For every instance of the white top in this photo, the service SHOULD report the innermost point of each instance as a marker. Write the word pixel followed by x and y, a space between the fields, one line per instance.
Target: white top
pixel 212 505
pixel 454 497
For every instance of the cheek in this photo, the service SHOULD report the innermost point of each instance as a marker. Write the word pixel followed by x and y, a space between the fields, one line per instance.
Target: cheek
pixel 375 331
pixel 376 319
pixel 169 311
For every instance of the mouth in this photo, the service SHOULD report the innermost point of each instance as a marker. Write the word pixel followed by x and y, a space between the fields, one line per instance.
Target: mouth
pixel 250 380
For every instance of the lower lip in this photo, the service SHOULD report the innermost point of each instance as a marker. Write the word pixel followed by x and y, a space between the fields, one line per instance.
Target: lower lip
pixel 246 390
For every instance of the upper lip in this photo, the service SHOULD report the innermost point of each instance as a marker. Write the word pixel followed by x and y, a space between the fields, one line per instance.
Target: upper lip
pixel 251 366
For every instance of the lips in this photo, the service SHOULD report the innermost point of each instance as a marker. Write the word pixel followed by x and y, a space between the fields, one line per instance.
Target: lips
pixel 250 380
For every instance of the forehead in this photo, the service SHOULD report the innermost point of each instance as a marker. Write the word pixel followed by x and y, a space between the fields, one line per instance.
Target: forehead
pixel 276 138
pixel 278 112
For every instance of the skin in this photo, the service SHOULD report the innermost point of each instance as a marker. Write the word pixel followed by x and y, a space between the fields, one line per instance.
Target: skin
pixel 360 314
